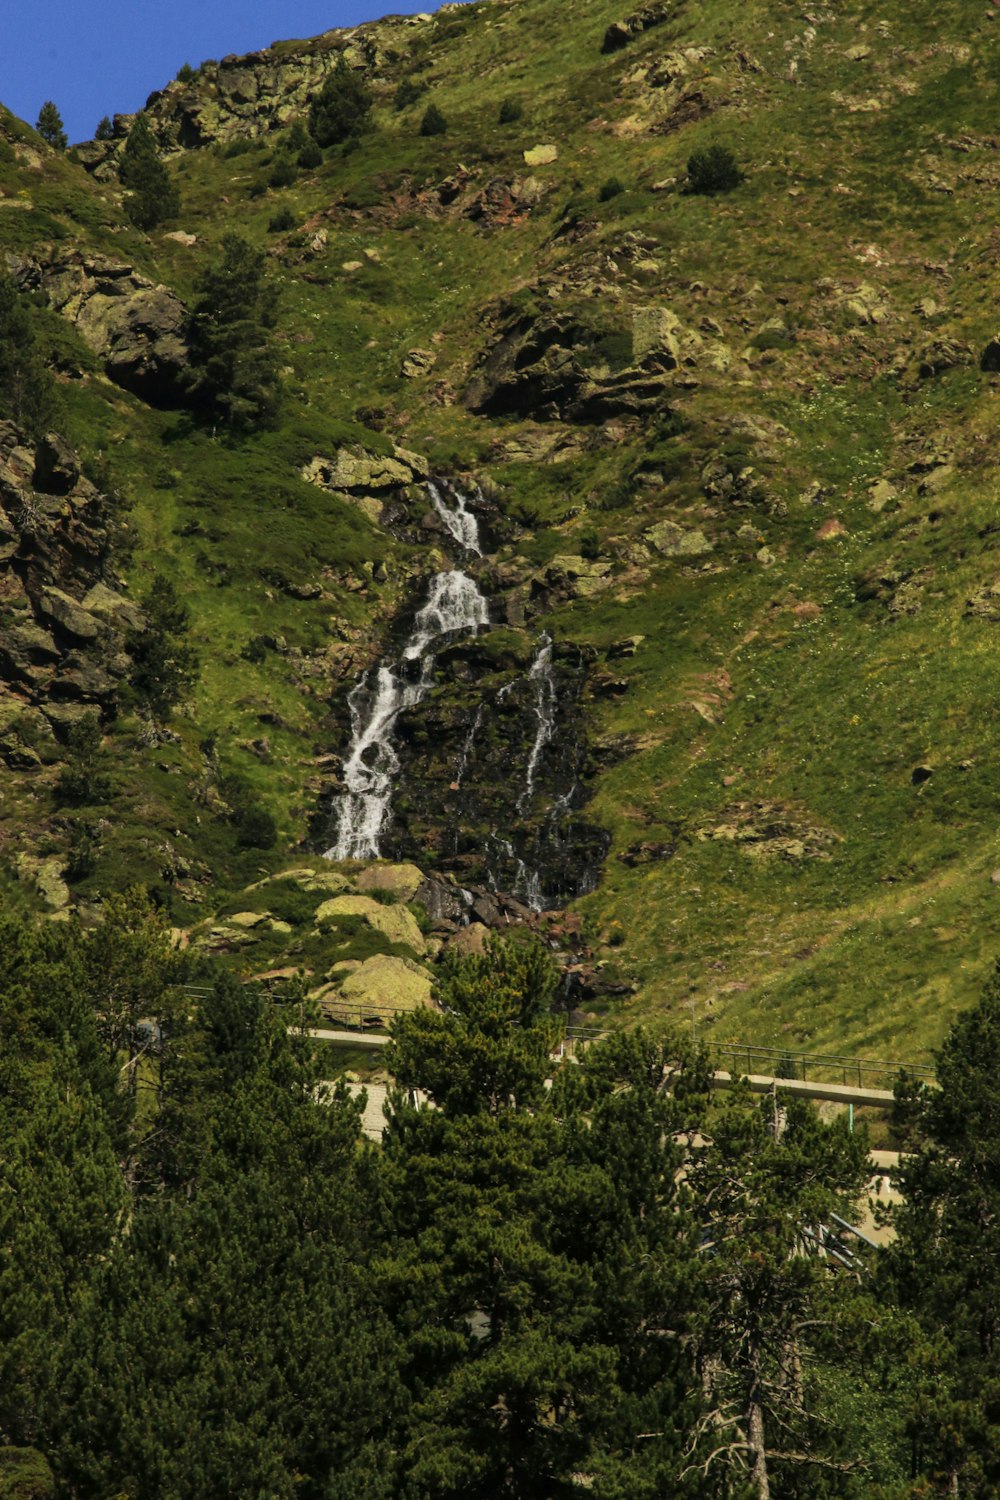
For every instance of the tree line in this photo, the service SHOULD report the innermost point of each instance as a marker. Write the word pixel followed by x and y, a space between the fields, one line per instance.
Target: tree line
pixel 544 1282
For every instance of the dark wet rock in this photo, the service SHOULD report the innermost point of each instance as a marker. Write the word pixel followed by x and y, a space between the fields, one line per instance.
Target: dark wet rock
pixel 989 360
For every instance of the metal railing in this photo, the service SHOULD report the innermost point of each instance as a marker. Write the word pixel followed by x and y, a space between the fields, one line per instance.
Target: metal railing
pixel 815 1067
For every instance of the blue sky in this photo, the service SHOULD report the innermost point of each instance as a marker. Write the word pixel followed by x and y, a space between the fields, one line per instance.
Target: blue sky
pixel 96 57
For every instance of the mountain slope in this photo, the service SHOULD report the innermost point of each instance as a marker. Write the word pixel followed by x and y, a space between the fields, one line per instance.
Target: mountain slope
pixel 737 453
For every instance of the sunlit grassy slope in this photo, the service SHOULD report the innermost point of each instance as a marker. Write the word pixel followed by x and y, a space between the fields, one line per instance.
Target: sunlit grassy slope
pixel 791 681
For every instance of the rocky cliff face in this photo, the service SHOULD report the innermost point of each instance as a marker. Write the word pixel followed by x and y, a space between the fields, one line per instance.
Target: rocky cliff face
pixel 251 95
pixel 62 619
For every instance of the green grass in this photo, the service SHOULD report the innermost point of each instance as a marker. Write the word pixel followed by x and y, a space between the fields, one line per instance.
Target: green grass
pixel 777 686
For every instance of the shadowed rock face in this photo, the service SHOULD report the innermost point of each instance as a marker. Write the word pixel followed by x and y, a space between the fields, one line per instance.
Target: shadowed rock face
pixel 550 368
pixel 135 326
pixel 61 625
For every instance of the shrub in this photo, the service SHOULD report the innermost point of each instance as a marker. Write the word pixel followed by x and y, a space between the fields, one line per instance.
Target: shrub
pixel 714 170
pixel 407 93
pixel 341 108
pixel 282 221
pixel 310 156
pixel 186 74
pixel 511 110
pixel 255 828
pixel 282 173
pixel 433 122
pixel 239 147
pixel 610 189
pixel 164 667
pixel 82 781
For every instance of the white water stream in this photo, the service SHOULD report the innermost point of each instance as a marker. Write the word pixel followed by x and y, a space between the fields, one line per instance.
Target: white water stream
pixel 543 680
pixel 454 605
pixel 459 523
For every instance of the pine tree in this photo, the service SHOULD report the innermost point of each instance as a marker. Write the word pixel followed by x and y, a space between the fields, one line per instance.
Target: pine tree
pixel 944 1266
pixel 340 110
pixel 236 369
pixel 105 130
pixel 27 390
pixel 50 127
pixel 164 665
pixel 152 197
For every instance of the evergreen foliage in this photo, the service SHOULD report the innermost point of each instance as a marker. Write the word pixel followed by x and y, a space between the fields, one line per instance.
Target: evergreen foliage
pixel 236 370
pixel 105 130
pixel 50 127
pixel 211 1285
pixel 152 197
pixel 27 390
pixel 714 170
pixel 433 122
pixel 164 665
pixel 511 110
pixel 340 110
pixel 82 779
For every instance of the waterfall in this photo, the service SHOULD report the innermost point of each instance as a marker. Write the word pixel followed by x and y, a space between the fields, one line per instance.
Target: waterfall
pixel 458 522
pixel 454 604
pixel 543 680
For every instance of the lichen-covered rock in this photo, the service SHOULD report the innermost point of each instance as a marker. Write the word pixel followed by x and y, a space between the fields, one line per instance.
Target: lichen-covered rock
pixel 346 906
pixel 401 881
pixel 620 33
pixel 674 541
pixel 137 327
pixel 383 985
pixel 361 473
pixel 398 925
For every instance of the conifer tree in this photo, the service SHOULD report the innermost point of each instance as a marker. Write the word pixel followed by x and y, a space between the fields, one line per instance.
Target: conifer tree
pixel 27 391
pixel 340 110
pixel 236 369
pixel 152 197
pixel 50 127
pixel 105 130
pixel 944 1265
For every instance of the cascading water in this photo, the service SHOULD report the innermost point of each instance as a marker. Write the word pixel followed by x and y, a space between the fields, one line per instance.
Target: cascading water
pixel 454 605
pixel 543 681
pixel 458 522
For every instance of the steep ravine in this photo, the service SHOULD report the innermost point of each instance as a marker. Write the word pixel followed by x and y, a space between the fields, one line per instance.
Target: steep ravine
pixel 465 757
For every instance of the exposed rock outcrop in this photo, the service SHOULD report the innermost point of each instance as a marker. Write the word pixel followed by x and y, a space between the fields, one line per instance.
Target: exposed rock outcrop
pixel 555 367
pixel 137 327
pixel 620 33
pixel 61 624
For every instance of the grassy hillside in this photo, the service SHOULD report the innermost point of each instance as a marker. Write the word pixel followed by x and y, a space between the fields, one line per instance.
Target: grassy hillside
pixel 777 870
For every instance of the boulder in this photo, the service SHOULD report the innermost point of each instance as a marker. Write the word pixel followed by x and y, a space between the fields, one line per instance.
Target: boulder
pixel 418 362
pixel 620 33
pixel 384 985
pixel 674 541
pixel 346 906
pixel 540 156
pixel 68 614
pixel 360 472
pixel 113 608
pixel 398 925
pixel 989 360
pixel 402 881
pixel 57 467
pixel 136 326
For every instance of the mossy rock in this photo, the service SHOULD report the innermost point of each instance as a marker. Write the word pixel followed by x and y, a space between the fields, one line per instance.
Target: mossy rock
pixel 347 906
pixel 383 985
pixel 395 923
pixel 401 881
